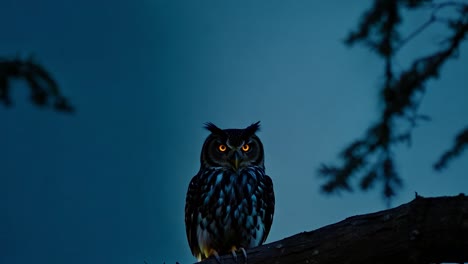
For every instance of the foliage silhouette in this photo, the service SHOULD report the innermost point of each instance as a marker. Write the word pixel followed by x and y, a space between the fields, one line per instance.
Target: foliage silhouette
pixel 41 84
pixel 370 158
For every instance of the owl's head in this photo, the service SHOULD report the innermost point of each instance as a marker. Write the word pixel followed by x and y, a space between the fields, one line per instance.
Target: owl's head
pixel 232 148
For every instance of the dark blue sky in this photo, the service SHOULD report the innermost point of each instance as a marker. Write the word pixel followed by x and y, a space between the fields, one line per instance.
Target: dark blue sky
pixel 108 184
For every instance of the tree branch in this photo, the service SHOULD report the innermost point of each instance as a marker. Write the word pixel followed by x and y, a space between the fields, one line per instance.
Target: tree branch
pixel 43 87
pixel 461 142
pixel 425 230
pixel 370 158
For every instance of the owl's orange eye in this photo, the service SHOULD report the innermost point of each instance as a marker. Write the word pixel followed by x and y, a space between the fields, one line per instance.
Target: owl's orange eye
pixel 245 147
pixel 222 148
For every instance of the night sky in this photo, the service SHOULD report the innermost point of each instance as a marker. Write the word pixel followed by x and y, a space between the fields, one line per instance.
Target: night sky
pixel 107 184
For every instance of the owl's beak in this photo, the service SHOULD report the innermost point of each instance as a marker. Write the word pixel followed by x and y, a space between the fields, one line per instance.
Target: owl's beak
pixel 235 161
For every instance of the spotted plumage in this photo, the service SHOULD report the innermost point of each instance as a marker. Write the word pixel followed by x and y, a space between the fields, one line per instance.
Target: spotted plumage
pixel 230 201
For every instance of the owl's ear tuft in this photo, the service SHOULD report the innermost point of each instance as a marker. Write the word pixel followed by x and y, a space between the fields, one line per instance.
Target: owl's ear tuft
pixel 250 130
pixel 214 129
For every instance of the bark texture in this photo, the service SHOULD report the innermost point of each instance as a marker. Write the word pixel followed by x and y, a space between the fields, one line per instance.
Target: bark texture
pixel 425 230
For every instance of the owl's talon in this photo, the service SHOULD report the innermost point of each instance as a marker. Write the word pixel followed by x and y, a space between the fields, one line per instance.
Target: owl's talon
pixel 234 255
pixel 244 253
pixel 215 254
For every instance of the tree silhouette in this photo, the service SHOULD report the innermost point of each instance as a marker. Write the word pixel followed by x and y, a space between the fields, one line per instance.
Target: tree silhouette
pixel 42 86
pixel 370 158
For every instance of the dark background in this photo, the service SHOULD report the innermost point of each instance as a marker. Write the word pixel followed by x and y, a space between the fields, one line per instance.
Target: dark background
pixel 107 184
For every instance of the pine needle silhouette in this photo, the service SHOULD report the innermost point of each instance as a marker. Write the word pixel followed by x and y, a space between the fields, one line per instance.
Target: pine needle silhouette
pixel 370 158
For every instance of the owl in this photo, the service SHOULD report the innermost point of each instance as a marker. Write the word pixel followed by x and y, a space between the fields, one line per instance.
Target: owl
pixel 230 201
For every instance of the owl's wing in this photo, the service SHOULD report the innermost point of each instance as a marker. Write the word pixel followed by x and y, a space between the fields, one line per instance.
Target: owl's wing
pixel 191 212
pixel 269 198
